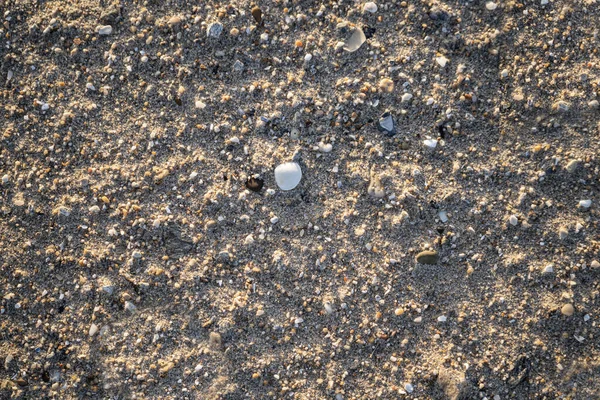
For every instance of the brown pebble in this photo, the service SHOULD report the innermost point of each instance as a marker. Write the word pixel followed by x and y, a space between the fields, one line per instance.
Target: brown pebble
pixel 257 14
pixel 567 310
pixel 215 340
pixel 428 257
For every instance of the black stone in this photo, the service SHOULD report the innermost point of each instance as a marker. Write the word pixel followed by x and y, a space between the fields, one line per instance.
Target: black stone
pixel 255 184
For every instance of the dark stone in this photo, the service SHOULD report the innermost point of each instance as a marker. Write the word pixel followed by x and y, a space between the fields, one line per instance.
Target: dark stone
pixel 255 184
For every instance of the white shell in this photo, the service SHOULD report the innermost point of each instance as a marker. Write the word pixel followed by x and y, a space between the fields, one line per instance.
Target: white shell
pixel 288 175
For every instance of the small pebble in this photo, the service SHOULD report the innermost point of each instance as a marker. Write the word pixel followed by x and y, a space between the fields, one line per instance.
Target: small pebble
pixel 430 143
pixel 5 179
pixel 129 306
pixel 355 41
pixel 443 216
pixel 104 30
pixel 255 184
pixel 257 15
pixel 93 330
pixel 513 220
pixel 585 204
pixel 567 310
pixel 409 388
pixel 442 318
pixel 442 61
pixel 563 232
pixel 387 124
pixel 406 97
pixel 594 104
pixel 544 2
pixel 370 7
pixel 595 264
pixel 491 6
pixel 548 269
pixel 427 257
pixel 215 341
pixel 288 175
pixel 214 30
pixel 572 166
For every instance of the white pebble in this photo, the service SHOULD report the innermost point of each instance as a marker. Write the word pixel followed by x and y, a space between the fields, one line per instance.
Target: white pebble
pixel 491 6
pixel 288 175
pixel 442 61
pixel 93 330
pixel 198 368
pixel 328 308
pixel 544 2
pixel 129 306
pixel 406 97
pixel 504 73
pixel 274 220
pixel 409 388
pixel 5 179
pixel 442 318
pixel 513 220
pixel 430 143
pixel 193 174
pixel 104 30
pixel 548 269
pixel 370 7
pixel 325 148
pixel 585 203
pixel 249 240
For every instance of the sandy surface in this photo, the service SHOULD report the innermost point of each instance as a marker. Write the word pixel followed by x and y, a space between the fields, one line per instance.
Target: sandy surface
pixel 136 264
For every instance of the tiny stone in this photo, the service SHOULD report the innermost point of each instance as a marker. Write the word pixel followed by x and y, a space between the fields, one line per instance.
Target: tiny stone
pixel 491 6
pixel 136 254
pixel 386 124
pixel 255 184
pixel 104 30
pixel 595 264
pixel 174 21
pixel 548 269
pixel 442 318
pixel 409 388
pixel 504 73
pixel 257 15
pixel 442 61
pixel 355 41
pixel 93 330
pixel 513 220
pixel 594 104
pixel 129 306
pixel 544 2
pixel 585 203
pixel 561 106
pixel 563 232
pixel 214 30
pixel 288 175
pixel 572 166
pixel 325 147
pixel 430 143
pixel 370 7
pixel 328 308
pixel 238 66
pixel 406 97
pixel 427 257
pixel 386 85
pixel 567 310
pixel 399 311
pixel 443 216
pixel 5 179
pixel 215 341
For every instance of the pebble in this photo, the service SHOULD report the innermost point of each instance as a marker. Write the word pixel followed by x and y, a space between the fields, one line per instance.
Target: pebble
pixel 409 388
pixel 594 104
pixel 406 97
pixel 491 6
pixel 288 175
pixel 355 41
pixel 572 166
pixel 174 21
pixel 238 66
pixel 328 308
pixel 567 310
pixel 370 7
pixel 129 306
pixel 430 143
pixel 443 216
pixel 595 264
pixel 442 318
pixel 325 147
pixel 215 341
pixel 375 188
pixel 548 269
pixel 386 85
pixel 386 124
pixel 427 257
pixel 544 2
pixel 513 220
pixel 214 30
pixel 561 106
pixel 5 179
pixel 585 204
pixel 257 15
pixel 442 61
pixel 104 30
pixel 93 330
pixel 255 184
pixel 563 232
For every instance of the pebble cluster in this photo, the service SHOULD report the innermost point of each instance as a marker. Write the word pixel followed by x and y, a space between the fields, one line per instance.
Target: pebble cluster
pixel 337 200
